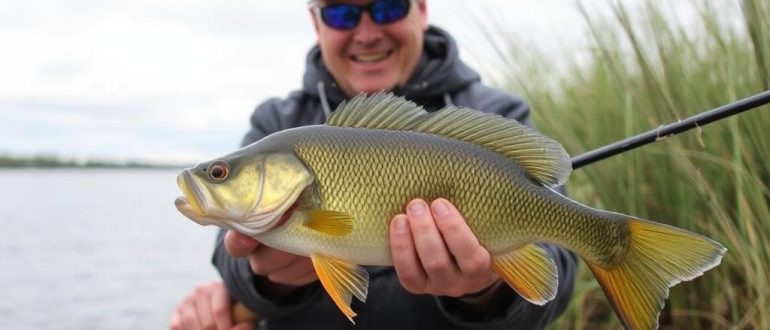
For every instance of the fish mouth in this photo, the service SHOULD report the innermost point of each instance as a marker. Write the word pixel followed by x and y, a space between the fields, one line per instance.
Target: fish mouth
pixel 191 203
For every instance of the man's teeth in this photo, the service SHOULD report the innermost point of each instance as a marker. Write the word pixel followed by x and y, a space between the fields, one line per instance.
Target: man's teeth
pixel 370 58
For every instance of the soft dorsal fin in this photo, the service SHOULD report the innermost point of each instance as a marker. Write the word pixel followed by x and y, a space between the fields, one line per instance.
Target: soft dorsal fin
pixel 542 157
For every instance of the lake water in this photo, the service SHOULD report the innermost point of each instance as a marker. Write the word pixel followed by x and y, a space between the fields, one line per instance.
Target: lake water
pixel 96 249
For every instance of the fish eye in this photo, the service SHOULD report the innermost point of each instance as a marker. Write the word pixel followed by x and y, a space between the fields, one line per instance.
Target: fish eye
pixel 218 170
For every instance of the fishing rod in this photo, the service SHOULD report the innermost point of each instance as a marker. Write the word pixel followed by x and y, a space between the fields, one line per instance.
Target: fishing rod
pixel 665 131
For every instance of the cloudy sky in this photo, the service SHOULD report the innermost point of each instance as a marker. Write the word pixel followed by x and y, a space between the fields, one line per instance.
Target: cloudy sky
pixel 175 81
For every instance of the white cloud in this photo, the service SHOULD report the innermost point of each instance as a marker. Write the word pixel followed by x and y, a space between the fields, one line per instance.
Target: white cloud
pixel 110 73
pixel 177 80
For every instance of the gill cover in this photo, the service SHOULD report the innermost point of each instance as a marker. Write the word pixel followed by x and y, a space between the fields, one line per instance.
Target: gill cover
pixel 244 192
pixel 282 179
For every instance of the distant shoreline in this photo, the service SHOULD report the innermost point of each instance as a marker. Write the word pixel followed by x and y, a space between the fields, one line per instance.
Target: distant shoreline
pixel 52 162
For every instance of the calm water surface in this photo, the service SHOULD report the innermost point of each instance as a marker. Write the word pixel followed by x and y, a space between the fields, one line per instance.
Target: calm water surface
pixel 96 249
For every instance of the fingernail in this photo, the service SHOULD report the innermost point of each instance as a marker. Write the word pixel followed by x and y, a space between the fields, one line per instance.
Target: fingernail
pixel 417 208
pixel 440 208
pixel 399 222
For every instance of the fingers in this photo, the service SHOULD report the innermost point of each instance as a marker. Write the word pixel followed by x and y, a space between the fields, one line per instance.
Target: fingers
pixel 265 260
pixel 203 307
pixel 208 307
pixel 405 260
pixel 176 319
pixel 239 245
pixel 282 267
pixel 471 257
pixel 220 306
pixel 435 252
pixel 299 272
pixel 278 266
pixel 187 315
pixel 429 244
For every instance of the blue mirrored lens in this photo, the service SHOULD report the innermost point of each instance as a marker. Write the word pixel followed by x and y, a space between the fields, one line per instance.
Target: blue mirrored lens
pixel 346 16
pixel 341 16
pixel 389 11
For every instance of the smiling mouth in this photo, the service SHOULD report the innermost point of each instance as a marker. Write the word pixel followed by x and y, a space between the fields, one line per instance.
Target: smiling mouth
pixel 371 58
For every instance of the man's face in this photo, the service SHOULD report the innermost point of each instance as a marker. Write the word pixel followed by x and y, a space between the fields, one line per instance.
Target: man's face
pixel 372 57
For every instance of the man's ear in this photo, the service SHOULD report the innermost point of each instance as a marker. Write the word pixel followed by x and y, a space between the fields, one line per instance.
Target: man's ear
pixel 422 7
pixel 311 11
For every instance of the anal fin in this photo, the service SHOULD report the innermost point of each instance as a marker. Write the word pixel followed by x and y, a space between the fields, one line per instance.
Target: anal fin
pixel 530 271
pixel 342 281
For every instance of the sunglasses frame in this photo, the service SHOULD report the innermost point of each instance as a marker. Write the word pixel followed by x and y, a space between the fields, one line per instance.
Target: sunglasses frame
pixel 319 10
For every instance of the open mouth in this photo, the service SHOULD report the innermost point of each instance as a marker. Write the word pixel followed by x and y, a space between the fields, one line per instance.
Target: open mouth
pixel 371 58
pixel 190 202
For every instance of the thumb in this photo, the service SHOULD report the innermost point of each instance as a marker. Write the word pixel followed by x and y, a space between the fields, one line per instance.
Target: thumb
pixel 239 245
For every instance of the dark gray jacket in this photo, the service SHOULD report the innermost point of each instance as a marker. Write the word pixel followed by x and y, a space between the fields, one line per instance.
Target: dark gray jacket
pixel 440 79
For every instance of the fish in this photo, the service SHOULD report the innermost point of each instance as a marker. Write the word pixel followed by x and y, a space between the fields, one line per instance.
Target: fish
pixel 329 191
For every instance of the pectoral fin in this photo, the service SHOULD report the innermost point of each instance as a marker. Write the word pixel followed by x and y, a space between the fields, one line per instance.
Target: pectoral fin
pixel 530 271
pixel 330 222
pixel 342 281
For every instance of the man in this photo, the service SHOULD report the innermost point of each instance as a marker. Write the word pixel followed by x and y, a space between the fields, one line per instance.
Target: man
pixel 441 277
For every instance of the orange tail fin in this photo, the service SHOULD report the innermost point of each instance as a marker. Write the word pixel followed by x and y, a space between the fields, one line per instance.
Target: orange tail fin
pixel 658 257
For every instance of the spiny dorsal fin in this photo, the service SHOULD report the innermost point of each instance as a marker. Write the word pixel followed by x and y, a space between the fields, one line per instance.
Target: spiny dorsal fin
pixel 379 111
pixel 542 157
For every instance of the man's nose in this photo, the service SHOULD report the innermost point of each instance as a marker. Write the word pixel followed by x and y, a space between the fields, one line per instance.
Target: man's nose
pixel 367 31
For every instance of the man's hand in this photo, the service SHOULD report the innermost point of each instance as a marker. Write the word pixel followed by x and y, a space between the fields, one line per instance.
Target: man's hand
pixel 208 307
pixel 288 270
pixel 435 252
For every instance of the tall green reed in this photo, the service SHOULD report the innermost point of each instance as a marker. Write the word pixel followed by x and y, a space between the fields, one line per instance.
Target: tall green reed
pixel 645 68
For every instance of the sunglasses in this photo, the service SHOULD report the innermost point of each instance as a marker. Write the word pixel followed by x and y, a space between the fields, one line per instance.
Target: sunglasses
pixel 343 16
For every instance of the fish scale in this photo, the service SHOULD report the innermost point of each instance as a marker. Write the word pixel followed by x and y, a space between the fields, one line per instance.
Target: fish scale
pixel 479 182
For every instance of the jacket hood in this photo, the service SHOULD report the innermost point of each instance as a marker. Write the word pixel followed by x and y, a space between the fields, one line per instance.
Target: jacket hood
pixel 438 72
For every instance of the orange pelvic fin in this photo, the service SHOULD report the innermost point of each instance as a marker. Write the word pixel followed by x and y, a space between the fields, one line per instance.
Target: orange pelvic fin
pixel 342 281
